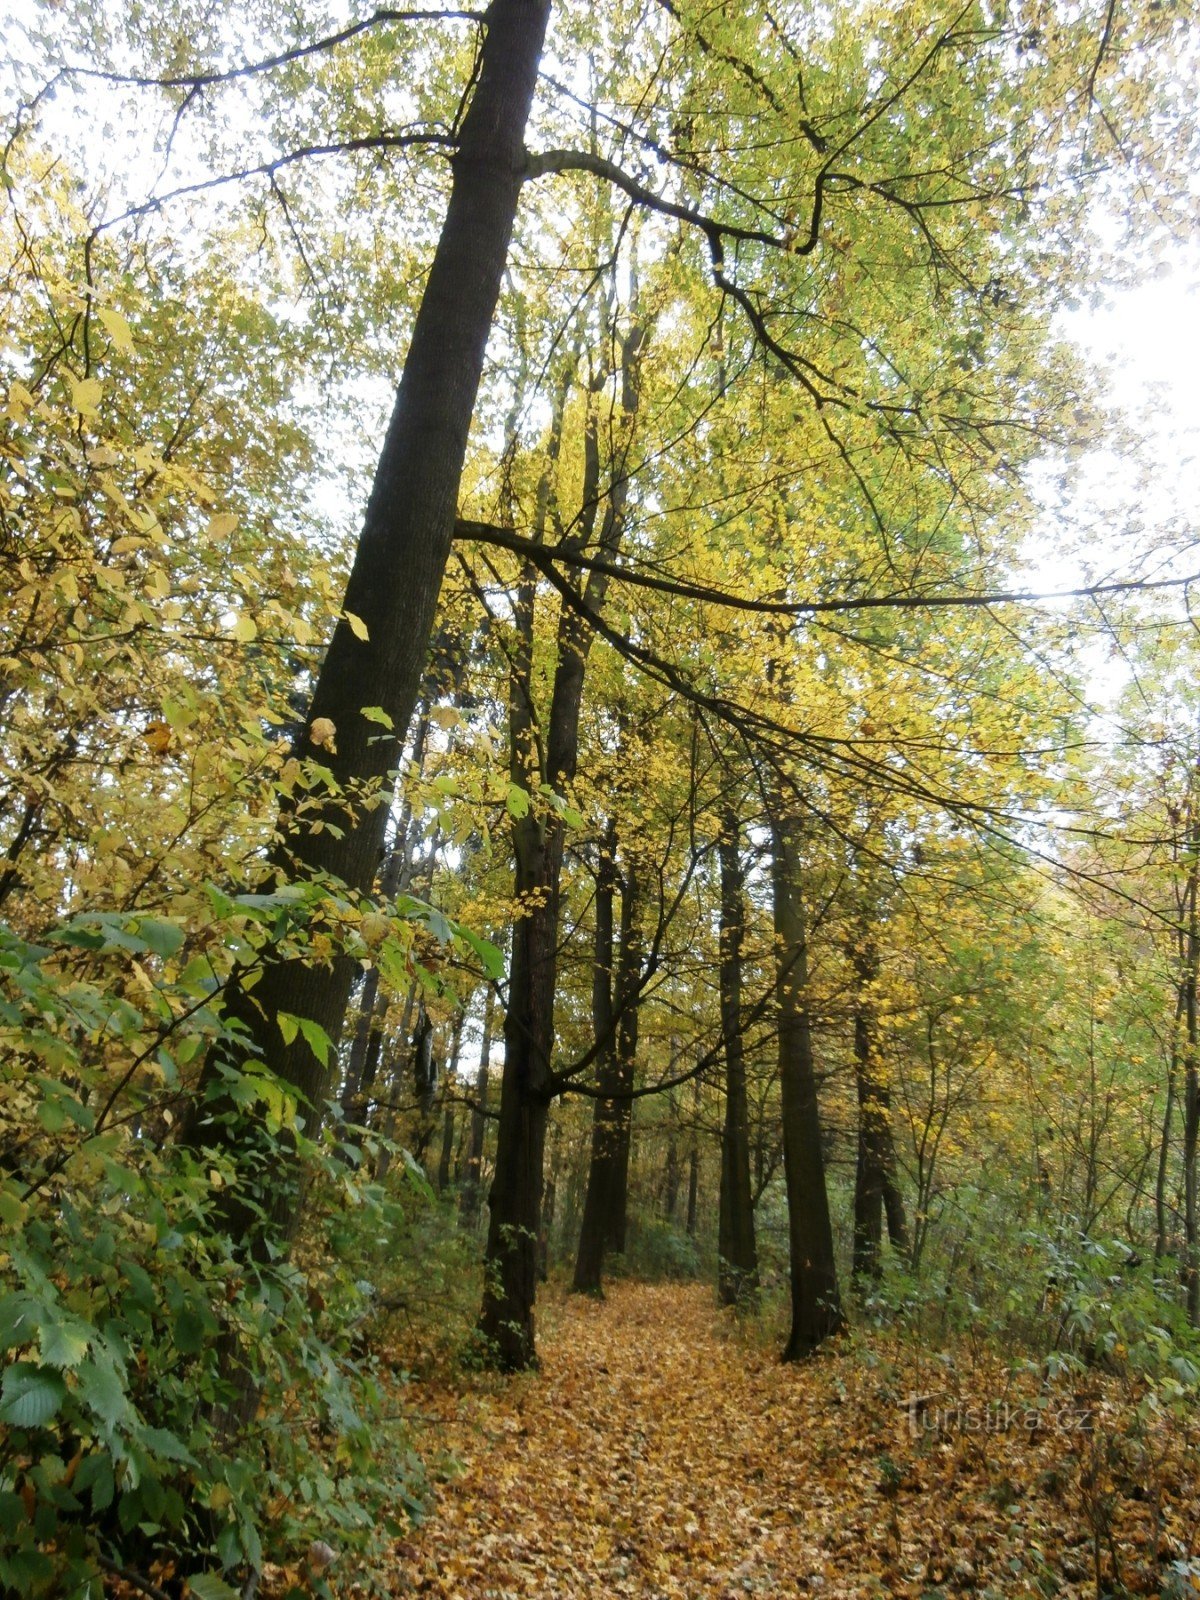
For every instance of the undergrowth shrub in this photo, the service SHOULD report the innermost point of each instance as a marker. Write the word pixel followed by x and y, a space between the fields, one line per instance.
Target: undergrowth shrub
pixel 121 1297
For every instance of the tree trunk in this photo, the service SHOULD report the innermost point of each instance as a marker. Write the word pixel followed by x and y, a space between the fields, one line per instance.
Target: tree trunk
pixel 590 1256
pixel 506 1319
pixel 468 1209
pixel 629 978
pixel 737 1267
pixel 393 591
pixel 816 1304
pixel 875 1187
pixel 447 1150
pixel 1190 951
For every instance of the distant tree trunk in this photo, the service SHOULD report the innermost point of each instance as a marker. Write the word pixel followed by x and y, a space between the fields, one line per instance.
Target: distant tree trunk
pixel 694 1163
pixel 446 1157
pixel 671 1176
pixel 468 1211
pixel 590 1256
pixel 816 1304
pixel 875 1184
pixel 549 1196
pixel 392 595
pixel 737 1267
pixel 1190 953
pixel 629 978
pixel 367 1044
pixel 447 1151
pixel 506 1320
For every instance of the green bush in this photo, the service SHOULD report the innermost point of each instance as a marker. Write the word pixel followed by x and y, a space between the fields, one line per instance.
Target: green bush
pixel 132 1328
pixel 657 1250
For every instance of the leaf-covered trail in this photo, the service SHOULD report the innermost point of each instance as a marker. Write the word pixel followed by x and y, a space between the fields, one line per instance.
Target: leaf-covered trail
pixel 655 1454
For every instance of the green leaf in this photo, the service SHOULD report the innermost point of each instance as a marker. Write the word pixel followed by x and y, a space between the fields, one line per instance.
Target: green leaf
pixel 18 1319
pixel 63 1344
pixel 491 958
pixel 163 938
pixel 30 1395
pixel 209 1586
pixel 289 1026
pixel 517 801
pixel 101 1390
pixel 379 715
pixel 317 1039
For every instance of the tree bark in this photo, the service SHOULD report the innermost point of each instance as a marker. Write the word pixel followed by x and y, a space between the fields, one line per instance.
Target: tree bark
pixel 393 590
pixel 816 1304
pixel 737 1267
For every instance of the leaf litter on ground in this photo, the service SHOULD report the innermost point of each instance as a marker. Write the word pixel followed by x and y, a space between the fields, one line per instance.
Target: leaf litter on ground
pixel 659 1452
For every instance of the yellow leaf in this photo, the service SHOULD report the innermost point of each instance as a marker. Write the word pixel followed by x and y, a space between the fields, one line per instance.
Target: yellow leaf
pixel 116 327
pixel 357 626
pixel 86 394
pixel 245 629
pixel 222 525
pixel 19 401
pixel 322 733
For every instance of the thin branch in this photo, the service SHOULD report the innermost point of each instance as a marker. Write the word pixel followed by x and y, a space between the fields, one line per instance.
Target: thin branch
pixel 545 557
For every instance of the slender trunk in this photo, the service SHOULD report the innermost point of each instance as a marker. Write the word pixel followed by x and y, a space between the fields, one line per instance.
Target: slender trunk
pixel 469 1199
pixel 368 1035
pixel 446 1157
pixel 447 1150
pixel 629 977
pixel 737 1267
pixel 392 593
pixel 506 1319
pixel 1164 1142
pixel 875 1188
pixel 671 1176
pixel 816 1304
pixel 590 1257
pixel 1191 1073
pixel 693 1205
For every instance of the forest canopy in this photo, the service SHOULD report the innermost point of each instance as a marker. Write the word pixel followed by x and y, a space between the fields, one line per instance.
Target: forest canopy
pixel 531 748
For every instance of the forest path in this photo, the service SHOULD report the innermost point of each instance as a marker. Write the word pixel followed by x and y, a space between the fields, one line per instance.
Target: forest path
pixel 658 1454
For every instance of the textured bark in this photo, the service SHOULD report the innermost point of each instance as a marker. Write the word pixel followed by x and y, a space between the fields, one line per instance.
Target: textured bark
pixel 737 1267
pixel 395 579
pixel 816 1304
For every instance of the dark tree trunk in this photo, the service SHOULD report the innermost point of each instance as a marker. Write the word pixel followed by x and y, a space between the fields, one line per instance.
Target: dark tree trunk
pixel 468 1212
pixel 393 589
pixel 590 1257
pixel 367 1045
pixel 447 1150
pixel 875 1186
pixel 737 1267
pixel 605 1207
pixel 670 1202
pixel 506 1319
pixel 446 1157
pixel 816 1304
pixel 1189 944
pixel 629 978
